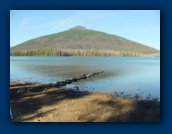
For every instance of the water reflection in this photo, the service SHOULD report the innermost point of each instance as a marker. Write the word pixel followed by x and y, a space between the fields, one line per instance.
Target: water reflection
pixel 125 75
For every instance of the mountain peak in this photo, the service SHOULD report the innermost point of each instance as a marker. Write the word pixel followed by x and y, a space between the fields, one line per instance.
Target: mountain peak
pixel 78 28
pixel 79 40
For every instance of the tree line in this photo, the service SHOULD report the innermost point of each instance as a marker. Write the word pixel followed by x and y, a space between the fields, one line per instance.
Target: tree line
pixel 74 52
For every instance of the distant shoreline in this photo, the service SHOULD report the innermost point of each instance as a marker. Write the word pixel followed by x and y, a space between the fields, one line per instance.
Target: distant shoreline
pixel 82 52
pixel 90 56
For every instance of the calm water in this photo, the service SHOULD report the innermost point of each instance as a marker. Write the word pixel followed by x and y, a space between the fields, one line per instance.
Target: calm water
pixel 127 76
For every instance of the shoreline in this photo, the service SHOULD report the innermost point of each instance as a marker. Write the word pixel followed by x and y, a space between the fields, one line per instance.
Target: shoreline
pixel 55 104
pixel 140 56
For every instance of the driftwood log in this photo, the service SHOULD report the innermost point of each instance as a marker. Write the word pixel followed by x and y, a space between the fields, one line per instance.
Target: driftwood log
pixel 40 87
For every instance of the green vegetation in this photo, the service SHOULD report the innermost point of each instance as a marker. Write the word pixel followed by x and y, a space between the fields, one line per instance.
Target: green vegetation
pixel 80 41
pixel 75 52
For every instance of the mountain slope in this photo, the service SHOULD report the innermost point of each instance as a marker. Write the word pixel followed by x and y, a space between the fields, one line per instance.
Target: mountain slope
pixel 84 39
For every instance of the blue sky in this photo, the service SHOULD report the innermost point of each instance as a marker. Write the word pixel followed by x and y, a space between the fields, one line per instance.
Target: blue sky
pixel 142 26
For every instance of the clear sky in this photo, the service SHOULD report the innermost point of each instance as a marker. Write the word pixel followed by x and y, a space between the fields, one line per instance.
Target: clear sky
pixel 142 26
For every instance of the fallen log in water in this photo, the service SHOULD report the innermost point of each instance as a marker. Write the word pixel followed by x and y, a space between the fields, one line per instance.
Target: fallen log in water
pixel 40 87
pixel 69 81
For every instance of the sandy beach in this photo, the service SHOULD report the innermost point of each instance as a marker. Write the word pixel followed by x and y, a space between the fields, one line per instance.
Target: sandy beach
pixel 34 103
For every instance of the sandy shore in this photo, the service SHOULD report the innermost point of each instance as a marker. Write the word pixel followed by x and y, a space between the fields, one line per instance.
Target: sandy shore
pixel 33 103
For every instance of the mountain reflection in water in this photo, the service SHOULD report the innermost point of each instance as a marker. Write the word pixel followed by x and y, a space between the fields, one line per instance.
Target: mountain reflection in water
pixel 128 76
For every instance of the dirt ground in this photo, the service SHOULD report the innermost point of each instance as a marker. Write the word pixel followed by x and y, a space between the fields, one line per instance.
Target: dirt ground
pixel 63 105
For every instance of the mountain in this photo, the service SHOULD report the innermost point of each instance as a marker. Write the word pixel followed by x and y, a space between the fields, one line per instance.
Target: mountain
pixel 80 38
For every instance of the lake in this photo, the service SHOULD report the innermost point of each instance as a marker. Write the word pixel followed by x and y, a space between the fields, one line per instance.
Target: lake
pixel 125 75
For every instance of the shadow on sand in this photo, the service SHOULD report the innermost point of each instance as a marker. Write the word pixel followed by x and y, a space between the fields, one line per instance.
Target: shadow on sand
pixel 92 107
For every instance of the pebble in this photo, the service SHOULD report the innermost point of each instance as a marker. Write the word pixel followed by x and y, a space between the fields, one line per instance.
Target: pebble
pixel 31 103
pixel 105 110
pixel 77 118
